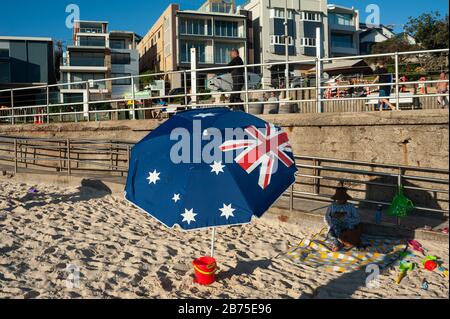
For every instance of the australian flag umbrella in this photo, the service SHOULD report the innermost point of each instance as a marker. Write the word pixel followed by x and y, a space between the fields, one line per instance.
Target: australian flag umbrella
pixel 208 168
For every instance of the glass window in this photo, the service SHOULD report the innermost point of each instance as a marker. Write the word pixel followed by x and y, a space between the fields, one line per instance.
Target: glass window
pixel 192 26
pixel 185 51
pixel 120 58
pixel 4 53
pixel 117 44
pixel 84 77
pixel 280 13
pixel 279 40
pixel 308 42
pixel 92 41
pixel 87 59
pixel 126 81
pixel 226 29
pixel 4 72
pixel 342 19
pixel 222 53
pixel 310 16
pixel 342 40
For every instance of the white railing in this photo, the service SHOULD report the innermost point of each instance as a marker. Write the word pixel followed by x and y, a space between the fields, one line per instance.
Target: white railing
pixel 312 93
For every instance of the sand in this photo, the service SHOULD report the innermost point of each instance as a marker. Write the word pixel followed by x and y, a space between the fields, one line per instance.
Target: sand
pixel 122 253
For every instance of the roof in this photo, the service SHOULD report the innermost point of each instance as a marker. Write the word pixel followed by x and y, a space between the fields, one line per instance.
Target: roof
pixel 90 21
pixel 8 38
pixel 219 14
pixel 341 8
pixel 349 64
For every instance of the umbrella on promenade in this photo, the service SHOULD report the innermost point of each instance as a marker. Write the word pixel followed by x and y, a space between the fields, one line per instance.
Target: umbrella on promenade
pixel 208 168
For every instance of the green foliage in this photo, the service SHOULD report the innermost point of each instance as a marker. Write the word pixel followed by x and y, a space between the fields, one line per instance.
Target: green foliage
pixel 430 30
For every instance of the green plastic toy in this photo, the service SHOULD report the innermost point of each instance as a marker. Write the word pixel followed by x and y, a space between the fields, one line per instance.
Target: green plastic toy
pixel 401 205
pixel 405 266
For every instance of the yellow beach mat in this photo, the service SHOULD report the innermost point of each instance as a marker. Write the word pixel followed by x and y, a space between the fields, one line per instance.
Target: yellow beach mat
pixel 316 253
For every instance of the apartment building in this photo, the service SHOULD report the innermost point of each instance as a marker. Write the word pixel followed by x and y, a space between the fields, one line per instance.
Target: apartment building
pixel 26 61
pixel 96 54
pixel 371 35
pixel 343 25
pixel 216 28
pixel 268 19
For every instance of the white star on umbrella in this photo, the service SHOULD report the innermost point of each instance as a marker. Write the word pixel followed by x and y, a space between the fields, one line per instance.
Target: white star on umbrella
pixel 227 211
pixel 217 168
pixel 176 198
pixel 205 115
pixel 189 216
pixel 153 177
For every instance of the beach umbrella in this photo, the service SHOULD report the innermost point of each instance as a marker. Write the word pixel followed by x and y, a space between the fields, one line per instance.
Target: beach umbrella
pixel 208 168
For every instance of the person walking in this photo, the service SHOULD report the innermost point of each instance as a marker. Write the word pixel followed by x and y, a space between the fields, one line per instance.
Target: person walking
pixel 237 75
pixel 442 88
pixel 384 78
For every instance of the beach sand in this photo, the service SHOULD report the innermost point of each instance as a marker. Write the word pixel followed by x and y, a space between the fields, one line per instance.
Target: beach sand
pixel 121 252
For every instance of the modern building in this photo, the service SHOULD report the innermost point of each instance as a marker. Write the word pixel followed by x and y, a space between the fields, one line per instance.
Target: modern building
pixel 304 17
pixel 371 35
pixel 26 61
pixel 216 28
pixel 96 54
pixel 343 25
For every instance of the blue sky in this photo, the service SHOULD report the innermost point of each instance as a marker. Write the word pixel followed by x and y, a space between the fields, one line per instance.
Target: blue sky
pixel 47 17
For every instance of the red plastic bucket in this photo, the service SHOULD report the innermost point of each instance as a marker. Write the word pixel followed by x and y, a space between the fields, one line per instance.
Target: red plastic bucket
pixel 205 270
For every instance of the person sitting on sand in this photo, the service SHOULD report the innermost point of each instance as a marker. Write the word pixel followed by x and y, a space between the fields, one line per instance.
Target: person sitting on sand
pixel 343 222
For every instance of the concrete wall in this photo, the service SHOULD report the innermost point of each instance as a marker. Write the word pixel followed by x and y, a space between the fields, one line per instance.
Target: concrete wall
pixel 415 138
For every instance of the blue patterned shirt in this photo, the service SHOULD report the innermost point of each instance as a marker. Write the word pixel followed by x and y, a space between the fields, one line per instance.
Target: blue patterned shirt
pixel 351 220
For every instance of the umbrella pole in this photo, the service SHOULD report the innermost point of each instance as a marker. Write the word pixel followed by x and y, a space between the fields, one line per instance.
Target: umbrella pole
pixel 213 239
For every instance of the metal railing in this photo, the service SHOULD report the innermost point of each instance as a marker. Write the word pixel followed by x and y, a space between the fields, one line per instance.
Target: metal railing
pixel 314 93
pixel 317 178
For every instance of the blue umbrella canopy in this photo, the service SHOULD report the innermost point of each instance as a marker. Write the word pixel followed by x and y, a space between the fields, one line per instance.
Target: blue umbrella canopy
pixel 210 167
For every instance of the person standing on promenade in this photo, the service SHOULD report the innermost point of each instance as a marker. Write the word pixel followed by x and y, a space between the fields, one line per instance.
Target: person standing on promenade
pixel 237 75
pixel 442 88
pixel 384 78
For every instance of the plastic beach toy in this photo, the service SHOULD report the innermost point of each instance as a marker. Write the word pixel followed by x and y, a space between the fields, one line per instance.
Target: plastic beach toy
pixel 405 266
pixel 415 245
pixel 205 270
pixel 430 263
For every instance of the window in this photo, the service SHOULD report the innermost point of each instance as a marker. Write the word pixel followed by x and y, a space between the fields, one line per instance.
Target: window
pixel 185 51
pixel 308 42
pixel 226 29
pixel 279 40
pixel 222 53
pixel 84 77
pixel 280 13
pixel 87 59
pixel 344 19
pixel 5 76
pixel 159 35
pixel 117 44
pixel 192 26
pixel 126 81
pixel 342 40
pixel 221 7
pixel 4 53
pixel 120 58
pixel 310 16
pixel 92 41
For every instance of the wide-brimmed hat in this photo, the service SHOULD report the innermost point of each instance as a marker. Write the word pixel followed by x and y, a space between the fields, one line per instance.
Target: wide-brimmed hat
pixel 341 194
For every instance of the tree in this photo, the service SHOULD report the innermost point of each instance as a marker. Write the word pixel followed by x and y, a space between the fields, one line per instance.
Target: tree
pixel 429 30
pixel 395 44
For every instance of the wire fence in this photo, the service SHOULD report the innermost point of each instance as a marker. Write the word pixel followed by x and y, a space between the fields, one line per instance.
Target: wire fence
pixel 413 80
pixel 317 178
